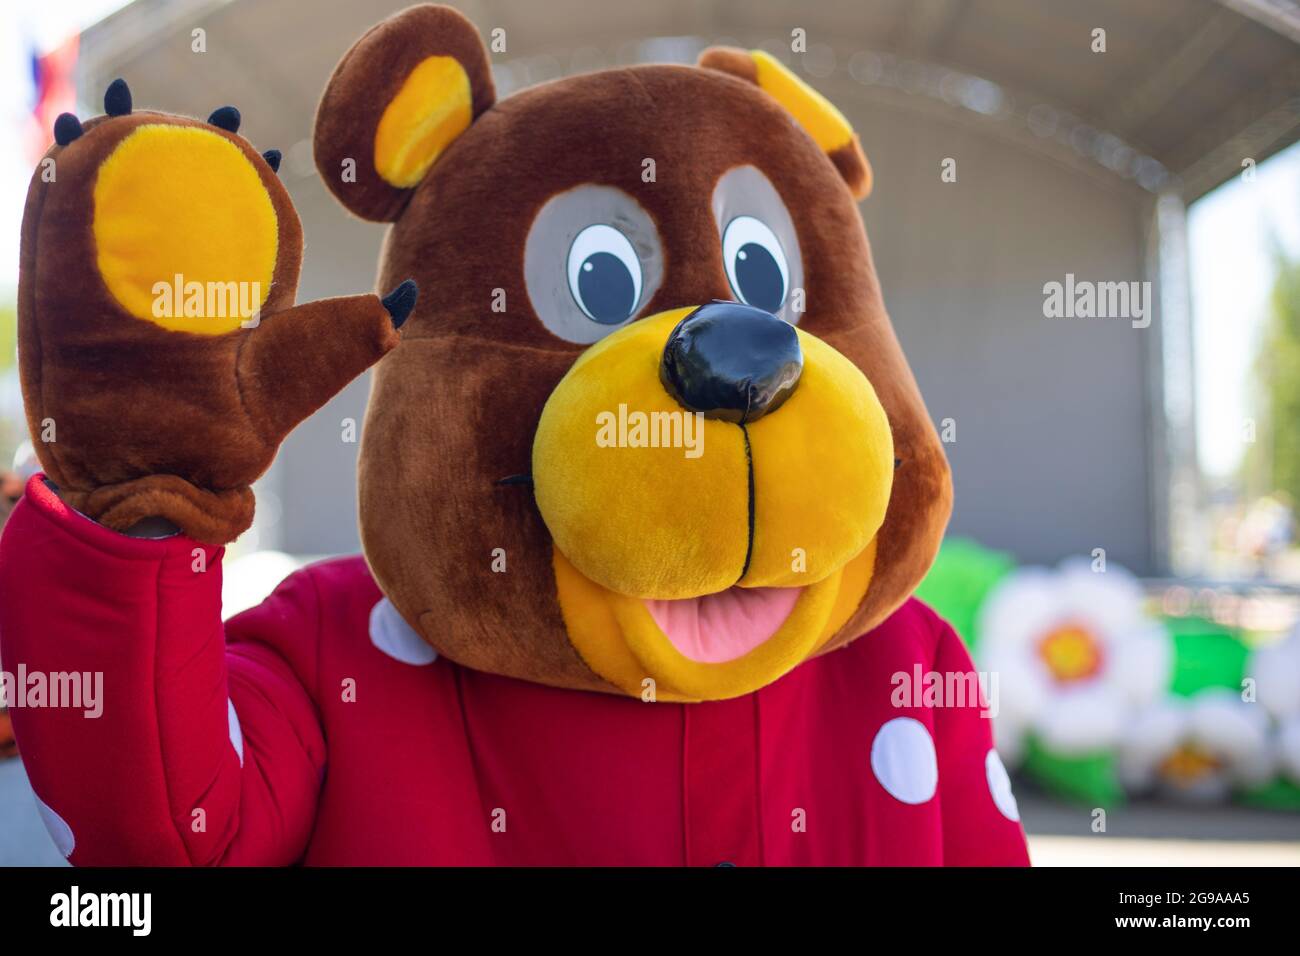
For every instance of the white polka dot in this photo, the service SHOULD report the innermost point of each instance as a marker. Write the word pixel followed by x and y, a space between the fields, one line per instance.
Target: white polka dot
pixel 58 829
pixel 903 760
pixel 391 634
pixel 1000 786
pixel 236 732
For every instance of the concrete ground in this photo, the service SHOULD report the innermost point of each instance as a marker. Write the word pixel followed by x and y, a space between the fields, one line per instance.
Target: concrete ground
pixel 1144 834
pixel 1157 834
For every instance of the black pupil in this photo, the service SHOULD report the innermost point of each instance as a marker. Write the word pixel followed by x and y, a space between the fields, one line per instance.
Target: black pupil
pixel 606 287
pixel 759 277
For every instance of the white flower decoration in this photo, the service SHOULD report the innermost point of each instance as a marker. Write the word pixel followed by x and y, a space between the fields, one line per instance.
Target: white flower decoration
pixel 1198 748
pixel 1275 669
pixel 1286 750
pixel 1075 656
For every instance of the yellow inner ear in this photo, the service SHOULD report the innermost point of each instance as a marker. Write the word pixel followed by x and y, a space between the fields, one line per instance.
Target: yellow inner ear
pixel 185 233
pixel 814 112
pixel 431 109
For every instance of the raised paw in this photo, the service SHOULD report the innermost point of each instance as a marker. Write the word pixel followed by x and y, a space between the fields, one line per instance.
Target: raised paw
pixel 157 330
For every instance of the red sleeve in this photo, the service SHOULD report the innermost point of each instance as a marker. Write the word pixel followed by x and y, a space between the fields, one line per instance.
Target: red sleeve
pixel 181 750
pixel 981 822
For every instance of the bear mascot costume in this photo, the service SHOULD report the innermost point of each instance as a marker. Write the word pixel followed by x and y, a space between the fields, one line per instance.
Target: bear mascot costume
pixel 646 484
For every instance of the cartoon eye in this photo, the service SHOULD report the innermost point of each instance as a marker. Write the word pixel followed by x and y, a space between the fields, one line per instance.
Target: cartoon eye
pixel 604 274
pixel 756 265
pixel 592 261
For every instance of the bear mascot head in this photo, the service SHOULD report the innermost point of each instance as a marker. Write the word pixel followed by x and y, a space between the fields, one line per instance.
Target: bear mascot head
pixel 649 420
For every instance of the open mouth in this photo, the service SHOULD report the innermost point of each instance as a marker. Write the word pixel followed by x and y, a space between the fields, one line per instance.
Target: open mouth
pixel 721 627
pixel 708 647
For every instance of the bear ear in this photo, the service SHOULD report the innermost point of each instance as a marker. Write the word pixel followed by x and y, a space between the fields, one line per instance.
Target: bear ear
pixel 396 100
pixel 816 114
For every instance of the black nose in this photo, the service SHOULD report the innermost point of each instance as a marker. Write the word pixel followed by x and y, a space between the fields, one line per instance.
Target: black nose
pixel 731 361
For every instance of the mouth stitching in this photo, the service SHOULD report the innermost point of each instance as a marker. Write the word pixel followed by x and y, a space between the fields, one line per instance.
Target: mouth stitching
pixel 749 470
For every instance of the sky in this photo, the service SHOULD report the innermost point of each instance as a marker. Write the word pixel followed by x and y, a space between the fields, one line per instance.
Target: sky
pixel 1231 253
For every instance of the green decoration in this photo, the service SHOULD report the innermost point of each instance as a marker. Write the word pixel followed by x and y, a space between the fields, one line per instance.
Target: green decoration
pixel 961 577
pixel 1280 794
pixel 1205 655
pixel 1089 778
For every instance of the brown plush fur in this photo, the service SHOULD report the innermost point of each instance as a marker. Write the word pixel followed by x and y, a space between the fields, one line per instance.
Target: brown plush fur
pixel 849 159
pixel 149 421
pixel 730 60
pixel 455 409
pixel 369 75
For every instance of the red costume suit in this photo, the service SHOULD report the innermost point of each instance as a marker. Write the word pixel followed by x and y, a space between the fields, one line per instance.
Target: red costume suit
pixel 255 727
pixel 645 487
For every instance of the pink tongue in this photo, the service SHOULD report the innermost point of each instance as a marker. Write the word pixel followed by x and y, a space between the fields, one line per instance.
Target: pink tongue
pixel 723 626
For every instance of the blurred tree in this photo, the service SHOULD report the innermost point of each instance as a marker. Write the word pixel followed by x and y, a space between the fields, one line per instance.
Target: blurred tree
pixel 1273 464
pixel 8 329
pixel 12 427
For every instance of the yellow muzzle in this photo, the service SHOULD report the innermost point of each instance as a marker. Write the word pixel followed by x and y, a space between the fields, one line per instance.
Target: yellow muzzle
pixel 650 502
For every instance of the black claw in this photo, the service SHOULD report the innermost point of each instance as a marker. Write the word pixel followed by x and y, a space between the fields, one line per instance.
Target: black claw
pixel 272 157
pixel 401 301
pixel 66 128
pixel 225 117
pixel 117 98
